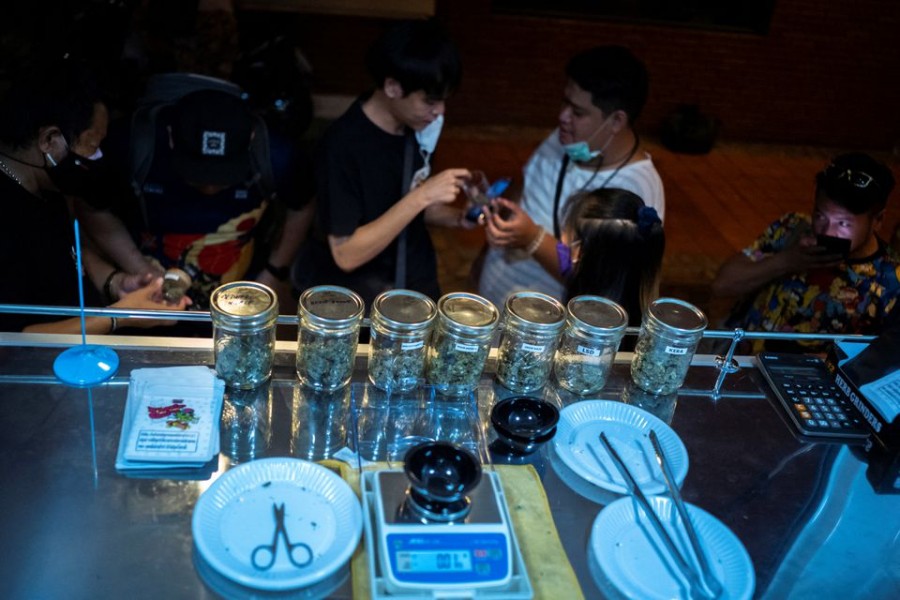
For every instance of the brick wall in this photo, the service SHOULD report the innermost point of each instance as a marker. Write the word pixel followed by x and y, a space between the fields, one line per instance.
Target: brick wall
pixel 825 73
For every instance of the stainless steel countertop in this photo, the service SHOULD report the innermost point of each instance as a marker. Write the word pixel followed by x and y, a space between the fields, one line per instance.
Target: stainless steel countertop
pixel 73 527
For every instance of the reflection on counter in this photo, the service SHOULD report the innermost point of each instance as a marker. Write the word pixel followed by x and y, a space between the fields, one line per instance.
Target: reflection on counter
pixel 661 406
pixel 246 424
pixel 319 422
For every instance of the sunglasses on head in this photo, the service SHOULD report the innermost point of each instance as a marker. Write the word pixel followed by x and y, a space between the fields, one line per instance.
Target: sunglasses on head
pixel 858 179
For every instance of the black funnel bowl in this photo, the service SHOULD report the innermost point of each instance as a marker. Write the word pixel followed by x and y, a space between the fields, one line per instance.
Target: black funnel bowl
pixel 523 423
pixel 440 476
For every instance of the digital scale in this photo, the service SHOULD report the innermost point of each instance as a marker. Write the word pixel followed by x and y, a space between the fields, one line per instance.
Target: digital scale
pixel 415 557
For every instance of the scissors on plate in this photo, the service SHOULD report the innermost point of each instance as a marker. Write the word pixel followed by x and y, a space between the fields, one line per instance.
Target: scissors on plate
pixel 263 556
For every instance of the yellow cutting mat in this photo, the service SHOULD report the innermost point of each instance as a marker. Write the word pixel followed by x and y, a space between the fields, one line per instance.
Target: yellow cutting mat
pixel 548 566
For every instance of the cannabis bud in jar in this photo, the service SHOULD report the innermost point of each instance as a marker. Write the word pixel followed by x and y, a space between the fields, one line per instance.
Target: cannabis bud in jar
pixel 669 336
pixel 330 317
pixel 594 329
pixel 531 325
pixel 460 342
pixel 243 315
pixel 401 327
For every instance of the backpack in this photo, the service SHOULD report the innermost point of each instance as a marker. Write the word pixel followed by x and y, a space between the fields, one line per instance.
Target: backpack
pixel 163 91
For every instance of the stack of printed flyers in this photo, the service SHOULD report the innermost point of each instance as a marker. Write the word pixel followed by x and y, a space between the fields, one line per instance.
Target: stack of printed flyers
pixel 171 419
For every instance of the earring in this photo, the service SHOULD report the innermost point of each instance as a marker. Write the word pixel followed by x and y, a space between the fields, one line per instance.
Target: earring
pixel 50 159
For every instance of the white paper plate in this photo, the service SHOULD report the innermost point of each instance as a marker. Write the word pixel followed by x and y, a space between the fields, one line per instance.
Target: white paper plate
pixel 627 558
pixel 628 428
pixel 235 515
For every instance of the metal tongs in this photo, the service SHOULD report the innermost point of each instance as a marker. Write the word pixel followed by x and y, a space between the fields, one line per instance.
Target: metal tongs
pixel 699 591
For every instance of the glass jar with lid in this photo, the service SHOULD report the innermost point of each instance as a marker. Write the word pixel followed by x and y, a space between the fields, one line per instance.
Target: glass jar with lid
pixel 243 314
pixel 329 317
pixel 669 335
pixel 460 342
pixel 532 323
pixel 594 329
pixel 401 326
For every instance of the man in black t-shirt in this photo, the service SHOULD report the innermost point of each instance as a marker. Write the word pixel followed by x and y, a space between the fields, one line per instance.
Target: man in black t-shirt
pixel 374 193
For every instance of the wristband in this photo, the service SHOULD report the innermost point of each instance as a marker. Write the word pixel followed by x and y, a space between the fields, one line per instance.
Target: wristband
pixel 114 324
pixel 107 286
pixel 536 242
pixel 279 273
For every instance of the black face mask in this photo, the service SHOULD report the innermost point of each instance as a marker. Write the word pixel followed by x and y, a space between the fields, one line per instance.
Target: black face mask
pixel 75 175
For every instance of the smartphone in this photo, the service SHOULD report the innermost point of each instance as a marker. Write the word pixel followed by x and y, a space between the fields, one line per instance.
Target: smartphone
pixel 834 245
pixel 475 214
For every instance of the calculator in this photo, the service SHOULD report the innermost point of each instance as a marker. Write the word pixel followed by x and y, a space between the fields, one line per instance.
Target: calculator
pixel 806 390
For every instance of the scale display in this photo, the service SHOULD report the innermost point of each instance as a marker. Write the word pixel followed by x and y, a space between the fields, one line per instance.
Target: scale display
pixel 415 557
pixel 449 557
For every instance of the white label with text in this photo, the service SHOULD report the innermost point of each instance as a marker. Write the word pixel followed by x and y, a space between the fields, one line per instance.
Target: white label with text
pixel 470 348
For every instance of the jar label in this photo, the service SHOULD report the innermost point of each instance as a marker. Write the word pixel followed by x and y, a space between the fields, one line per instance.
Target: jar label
pixel 588 351
pixel 674 350
pixel 532 348
pixel 470 348
pixel 412 345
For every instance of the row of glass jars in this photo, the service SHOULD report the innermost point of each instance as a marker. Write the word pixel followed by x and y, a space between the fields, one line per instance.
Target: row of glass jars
pixel 448 342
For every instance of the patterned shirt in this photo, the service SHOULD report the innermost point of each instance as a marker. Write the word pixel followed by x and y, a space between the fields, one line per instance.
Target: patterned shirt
pixel 852 297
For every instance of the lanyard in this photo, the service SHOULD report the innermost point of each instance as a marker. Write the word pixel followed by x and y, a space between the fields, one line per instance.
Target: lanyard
pixel 562 177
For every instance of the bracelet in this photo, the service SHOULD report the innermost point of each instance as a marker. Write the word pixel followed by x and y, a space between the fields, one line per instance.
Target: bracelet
pixel 536 242
pixel 114 324
pixel 107 286
pixel 279 273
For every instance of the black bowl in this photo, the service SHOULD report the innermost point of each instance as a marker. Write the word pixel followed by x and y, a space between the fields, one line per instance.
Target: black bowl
pixel 524 418
pixel 522 424
pixel 441 471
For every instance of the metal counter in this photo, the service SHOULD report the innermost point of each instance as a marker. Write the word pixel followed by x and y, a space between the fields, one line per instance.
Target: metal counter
pixel 73 527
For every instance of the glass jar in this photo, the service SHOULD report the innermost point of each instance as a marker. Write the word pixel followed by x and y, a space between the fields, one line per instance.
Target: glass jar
pixel 243 314
pixel 401 325
pixel 531 325
pixel 669 336
pixel 594 329
pixel 460 343
pixel 330 317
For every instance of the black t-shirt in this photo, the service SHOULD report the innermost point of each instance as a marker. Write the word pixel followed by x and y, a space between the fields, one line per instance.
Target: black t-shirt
pixel 359 173
pixel 36 259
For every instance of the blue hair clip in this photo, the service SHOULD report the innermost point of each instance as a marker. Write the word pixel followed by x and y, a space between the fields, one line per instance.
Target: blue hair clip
pixel 647 218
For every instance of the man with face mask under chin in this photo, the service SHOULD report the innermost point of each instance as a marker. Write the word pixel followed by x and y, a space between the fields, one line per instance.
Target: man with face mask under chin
pixel 49 124
pixel 595 146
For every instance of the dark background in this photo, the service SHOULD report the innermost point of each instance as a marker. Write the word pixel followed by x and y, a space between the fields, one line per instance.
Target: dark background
pixel 782 71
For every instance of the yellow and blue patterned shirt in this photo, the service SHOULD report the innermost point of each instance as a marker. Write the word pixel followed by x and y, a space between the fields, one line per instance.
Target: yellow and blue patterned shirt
pixel 853 297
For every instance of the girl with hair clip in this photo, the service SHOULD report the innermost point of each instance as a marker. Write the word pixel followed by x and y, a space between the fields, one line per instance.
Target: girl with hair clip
pixel 612 246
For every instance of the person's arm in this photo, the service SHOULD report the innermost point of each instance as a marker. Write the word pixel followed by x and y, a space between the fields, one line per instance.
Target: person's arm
pixel 293 234
pixel 109 235
pixel 509 226
pixel 148 297
pixel 369 240
pixel 741 275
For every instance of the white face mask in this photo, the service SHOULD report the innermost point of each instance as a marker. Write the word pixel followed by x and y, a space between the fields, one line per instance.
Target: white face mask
pixel 96 155
pixel 427 139
pixel 429 135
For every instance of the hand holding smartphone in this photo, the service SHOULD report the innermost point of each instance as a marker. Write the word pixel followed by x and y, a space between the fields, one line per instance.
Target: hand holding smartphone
pixel 834 245
pixel 481 194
